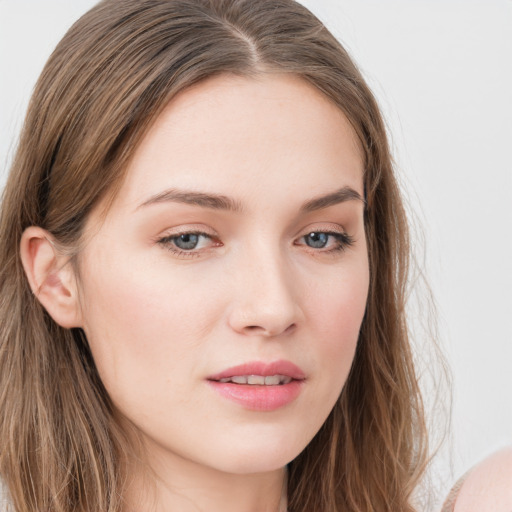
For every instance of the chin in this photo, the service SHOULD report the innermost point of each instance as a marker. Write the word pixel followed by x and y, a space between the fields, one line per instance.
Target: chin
pixel 265 453
pixel 250 464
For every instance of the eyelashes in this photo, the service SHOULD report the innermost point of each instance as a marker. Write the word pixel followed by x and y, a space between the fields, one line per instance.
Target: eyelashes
pixel 191 244
pixel 321 239
pixel 190 241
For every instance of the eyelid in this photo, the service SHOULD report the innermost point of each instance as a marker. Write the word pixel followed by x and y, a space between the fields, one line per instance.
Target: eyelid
pixel 321 227
pixel 198 229
pixel 344 237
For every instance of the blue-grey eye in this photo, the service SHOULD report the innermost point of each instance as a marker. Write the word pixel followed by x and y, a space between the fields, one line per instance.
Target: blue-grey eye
pixel 316 240
pixel 187 241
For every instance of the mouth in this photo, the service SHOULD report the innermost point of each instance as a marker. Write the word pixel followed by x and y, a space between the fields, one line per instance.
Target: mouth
pixel 260 386
pixel 260 373
pixel 258 380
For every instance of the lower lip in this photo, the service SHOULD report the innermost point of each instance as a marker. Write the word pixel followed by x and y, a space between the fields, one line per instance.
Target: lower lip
pixel 259 398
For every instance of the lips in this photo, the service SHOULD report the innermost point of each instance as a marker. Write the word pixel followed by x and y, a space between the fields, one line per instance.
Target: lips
pixel 258 380
pixel 285 368
pixel 260 386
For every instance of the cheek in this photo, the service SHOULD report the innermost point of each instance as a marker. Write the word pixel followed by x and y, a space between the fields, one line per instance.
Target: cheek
pixel 337 305
pixel 335 312
pixel 143 321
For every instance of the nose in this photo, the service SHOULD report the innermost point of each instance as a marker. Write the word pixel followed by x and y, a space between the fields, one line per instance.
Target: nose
pixel 265 301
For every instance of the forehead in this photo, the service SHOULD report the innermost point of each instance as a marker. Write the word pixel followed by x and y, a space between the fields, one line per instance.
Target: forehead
pixel 235 136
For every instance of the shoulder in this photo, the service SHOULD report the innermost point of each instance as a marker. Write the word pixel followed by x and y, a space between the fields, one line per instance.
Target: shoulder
pixel 488 487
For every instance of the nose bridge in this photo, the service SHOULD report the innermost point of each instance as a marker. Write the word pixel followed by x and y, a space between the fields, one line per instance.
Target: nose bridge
pixel 264 302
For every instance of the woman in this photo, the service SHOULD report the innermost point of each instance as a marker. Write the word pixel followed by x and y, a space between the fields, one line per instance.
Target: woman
pixel 204 265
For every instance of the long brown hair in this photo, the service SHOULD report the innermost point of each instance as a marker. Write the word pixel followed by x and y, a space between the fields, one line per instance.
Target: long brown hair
pixel 106 82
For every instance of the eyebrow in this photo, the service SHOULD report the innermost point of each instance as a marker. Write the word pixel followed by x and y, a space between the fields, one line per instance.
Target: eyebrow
pixel 221 202
pixel 213 201
pixel 339 196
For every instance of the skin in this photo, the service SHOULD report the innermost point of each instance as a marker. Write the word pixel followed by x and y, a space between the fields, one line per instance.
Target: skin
pixel 159 322
pixel 488 486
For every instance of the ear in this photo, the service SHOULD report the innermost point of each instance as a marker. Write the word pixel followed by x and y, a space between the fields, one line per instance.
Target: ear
pixel 50 276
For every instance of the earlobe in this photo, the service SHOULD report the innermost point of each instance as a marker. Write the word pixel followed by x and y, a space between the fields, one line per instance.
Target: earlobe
pixel 50 276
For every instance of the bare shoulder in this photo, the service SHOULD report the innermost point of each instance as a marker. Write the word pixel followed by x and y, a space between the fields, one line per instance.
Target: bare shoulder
pixel 488 486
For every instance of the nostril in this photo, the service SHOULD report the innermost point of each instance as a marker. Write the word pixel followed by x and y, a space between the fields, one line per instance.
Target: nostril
pixel 289 329
pixel 257 329
pixel 254 328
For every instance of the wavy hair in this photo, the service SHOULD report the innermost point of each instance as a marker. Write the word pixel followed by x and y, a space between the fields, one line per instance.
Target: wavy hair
pixel 106 82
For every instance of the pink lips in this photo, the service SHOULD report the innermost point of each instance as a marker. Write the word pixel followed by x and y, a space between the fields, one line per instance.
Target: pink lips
pixel 260 397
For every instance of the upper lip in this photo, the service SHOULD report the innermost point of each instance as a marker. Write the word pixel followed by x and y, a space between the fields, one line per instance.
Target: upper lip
pixel 265 369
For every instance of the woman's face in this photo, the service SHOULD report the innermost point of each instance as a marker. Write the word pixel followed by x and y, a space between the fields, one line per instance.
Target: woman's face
pixel 223 293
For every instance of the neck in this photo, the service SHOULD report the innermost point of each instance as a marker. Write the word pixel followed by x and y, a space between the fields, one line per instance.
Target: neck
pixel 185 486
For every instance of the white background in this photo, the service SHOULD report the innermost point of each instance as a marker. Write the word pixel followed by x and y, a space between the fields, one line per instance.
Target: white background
pixel 442 72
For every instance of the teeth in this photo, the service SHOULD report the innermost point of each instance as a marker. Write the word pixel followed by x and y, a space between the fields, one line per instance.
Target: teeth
pixel 258 380
pixel 272 380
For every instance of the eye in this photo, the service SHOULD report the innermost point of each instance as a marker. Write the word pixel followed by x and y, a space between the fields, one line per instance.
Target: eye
pixel 188 243
pixel 326 240
pixel 317 240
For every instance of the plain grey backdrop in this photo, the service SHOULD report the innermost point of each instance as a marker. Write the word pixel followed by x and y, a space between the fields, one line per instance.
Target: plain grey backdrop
pixel 442 72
